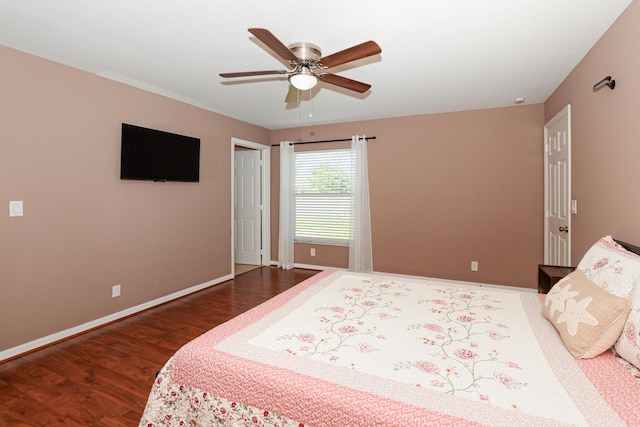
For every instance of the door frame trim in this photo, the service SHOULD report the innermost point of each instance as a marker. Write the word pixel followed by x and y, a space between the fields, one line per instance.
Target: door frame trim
pixel 566 111
pixel 265 178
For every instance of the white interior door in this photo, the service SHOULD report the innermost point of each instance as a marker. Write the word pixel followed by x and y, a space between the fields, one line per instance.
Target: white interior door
pixel 557 241
pixel 247 209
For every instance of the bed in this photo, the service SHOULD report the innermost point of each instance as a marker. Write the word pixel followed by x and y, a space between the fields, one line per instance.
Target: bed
pixel 354 349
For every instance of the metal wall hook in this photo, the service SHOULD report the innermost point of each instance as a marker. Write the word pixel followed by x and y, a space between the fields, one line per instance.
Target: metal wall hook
pixel 607 81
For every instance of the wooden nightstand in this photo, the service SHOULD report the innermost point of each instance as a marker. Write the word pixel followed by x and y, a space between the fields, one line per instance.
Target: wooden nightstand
pixel 549 275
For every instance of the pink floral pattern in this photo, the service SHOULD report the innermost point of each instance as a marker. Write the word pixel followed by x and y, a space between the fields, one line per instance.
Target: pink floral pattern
pixel 461 358
pixel 350 326
pixel 628 345
pixel 172 404
pixel 462 340
pixel 611 266
pixel 630 333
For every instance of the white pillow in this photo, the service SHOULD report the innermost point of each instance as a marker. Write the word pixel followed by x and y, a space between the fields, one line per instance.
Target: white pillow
pixel 611 267
pixel 628 345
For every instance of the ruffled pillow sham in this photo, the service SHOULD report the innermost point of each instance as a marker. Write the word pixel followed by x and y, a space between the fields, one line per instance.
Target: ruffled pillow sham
pixel 611 267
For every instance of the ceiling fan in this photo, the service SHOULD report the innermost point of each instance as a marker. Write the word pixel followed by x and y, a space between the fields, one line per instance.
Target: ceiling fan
pixel 308 66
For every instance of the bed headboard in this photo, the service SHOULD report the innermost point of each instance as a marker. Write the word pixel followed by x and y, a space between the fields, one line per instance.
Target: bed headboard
pixel 629 247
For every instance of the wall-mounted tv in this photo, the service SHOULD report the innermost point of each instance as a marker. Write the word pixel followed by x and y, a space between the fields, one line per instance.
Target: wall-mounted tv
pixel 155 155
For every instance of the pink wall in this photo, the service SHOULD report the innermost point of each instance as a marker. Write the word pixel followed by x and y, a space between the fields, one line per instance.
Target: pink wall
pixel 605 136
pixel 445 189
pixel 84 230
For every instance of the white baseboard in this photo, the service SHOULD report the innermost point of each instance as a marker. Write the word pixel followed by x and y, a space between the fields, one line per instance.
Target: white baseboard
pixel 58 336
pixel 311 267
pixel 318 267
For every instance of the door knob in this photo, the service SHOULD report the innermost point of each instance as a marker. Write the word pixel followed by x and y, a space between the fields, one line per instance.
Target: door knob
pixel 565 229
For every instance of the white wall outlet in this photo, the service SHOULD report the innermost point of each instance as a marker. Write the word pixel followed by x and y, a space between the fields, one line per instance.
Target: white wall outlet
pixel 115 291
pixel 16 208
pixel 313 251
pixel 474 265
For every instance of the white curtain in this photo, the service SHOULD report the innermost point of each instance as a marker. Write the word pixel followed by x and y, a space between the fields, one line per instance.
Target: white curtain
pixel 285 238
pixel 360 248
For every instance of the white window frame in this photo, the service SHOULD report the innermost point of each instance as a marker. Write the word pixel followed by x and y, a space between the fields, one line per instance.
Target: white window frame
pixel 340 217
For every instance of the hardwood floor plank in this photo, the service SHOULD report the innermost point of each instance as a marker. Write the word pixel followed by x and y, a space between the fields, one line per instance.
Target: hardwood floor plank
pixel 103 378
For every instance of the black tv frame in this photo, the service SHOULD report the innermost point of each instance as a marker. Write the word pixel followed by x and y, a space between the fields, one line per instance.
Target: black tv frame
pixel 154 155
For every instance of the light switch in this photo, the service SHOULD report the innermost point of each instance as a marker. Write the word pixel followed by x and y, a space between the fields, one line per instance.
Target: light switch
pixel 15 208
pixel 574 207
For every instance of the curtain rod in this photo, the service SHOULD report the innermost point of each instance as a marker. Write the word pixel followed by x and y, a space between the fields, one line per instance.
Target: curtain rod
pixel 326 140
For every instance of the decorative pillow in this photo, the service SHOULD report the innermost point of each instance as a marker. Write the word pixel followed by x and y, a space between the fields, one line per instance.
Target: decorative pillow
pixel 588 319
pixel 628 345
pixel 611 266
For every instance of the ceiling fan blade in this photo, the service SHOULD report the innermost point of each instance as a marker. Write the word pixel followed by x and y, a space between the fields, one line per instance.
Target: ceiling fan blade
pixel 274 44
pixel 351 54
pixel 253 73
pixel 344 82
pixel 293 95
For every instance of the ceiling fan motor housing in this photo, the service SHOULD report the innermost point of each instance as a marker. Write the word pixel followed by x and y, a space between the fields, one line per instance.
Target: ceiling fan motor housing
pixel 309 54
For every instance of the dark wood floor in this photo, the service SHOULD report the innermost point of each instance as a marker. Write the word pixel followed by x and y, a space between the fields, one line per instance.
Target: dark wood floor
pixel 103 378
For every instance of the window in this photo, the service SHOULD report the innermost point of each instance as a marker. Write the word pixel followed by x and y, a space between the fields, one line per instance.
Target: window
pixel 322 196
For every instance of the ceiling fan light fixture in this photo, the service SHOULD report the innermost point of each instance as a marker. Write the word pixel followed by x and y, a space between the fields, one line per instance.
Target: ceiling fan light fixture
pixel 303 80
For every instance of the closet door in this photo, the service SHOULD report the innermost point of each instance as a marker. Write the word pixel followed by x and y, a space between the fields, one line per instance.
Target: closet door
pixel 558 189
pixel 247 209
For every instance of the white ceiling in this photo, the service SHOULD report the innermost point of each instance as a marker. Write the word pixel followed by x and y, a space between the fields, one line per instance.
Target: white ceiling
pixel 437 56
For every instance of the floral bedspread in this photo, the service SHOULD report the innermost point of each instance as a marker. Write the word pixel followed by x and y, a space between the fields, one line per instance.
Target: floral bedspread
pixel 352 349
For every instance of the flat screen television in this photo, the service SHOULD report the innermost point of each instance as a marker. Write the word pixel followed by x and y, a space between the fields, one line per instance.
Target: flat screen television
pixel 155 155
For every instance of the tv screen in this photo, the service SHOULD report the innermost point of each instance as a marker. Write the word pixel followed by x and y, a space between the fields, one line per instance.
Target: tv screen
pixel 154 155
